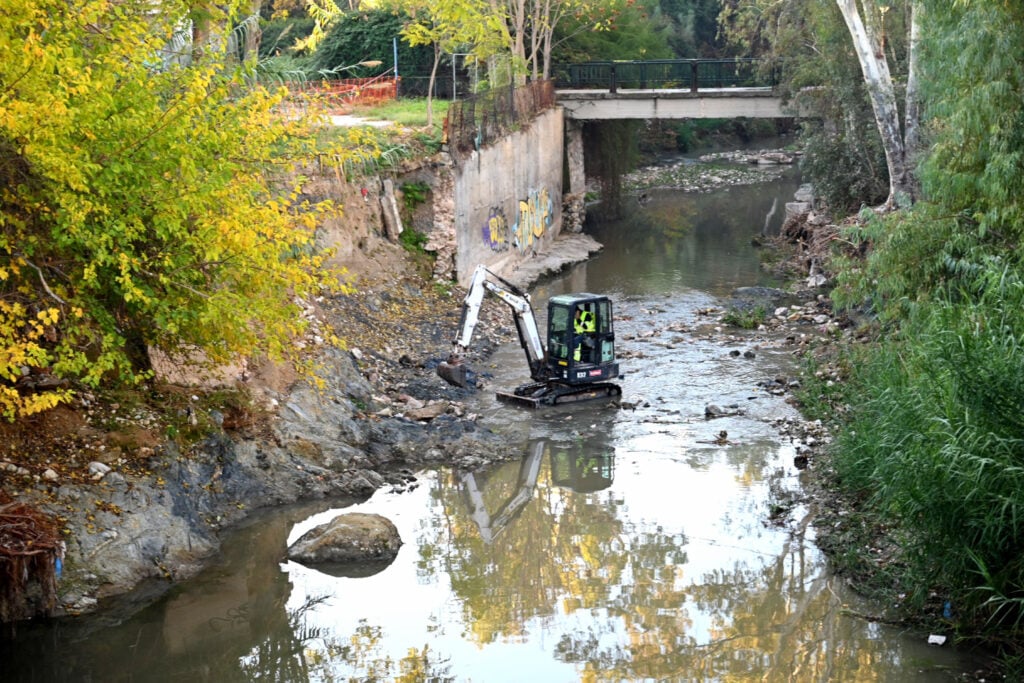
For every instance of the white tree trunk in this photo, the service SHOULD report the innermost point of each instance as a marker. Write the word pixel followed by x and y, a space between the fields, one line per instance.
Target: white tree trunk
pixel 883 99
pixel 430 85
pixel 912 119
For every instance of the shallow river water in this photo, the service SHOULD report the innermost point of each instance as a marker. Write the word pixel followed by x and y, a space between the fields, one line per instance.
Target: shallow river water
pixel 628 544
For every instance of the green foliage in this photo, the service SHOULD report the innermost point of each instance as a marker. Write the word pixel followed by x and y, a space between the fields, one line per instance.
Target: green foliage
pixel 412 240
pixel 279 36
pixel 807 44
pixel 282 70
pixel 633 33
pixel 694 133
pixel 362 36
pixel 972 218
pixel 414 194
pixel 846 169
pixel 844 158
pixel 823 395
pixel 686 136
pixel 609 152
pixel 745 318
pixel 143 204
pixel 912 257
pixel 937 439
pixel 693 27
pixel 976 103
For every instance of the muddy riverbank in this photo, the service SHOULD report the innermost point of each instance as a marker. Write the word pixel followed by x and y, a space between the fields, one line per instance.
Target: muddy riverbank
pixel 142 502
pixel 665 537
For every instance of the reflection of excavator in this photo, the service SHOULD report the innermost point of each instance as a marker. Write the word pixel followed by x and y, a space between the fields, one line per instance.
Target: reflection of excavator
pixel 580 356
pixel 581 470
pixel 570 468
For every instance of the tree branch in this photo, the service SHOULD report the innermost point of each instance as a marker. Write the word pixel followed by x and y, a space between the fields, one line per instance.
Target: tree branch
pixel 43 281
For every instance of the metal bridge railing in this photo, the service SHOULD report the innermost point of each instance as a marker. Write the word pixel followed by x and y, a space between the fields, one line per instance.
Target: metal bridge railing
pixel 679 74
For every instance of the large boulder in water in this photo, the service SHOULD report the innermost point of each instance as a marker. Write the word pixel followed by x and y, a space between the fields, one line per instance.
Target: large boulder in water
pixel 352 537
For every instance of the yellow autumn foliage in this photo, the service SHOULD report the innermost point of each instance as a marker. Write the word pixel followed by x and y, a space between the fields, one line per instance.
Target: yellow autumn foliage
pixel 149 197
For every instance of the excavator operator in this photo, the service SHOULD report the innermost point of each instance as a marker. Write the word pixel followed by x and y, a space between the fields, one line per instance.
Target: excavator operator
pixel 583 323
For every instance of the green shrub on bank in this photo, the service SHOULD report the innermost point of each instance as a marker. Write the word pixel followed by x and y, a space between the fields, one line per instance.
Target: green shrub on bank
pixel 936 443
pixel 747 319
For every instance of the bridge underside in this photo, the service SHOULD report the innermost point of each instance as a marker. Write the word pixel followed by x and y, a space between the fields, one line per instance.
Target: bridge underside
pixel 672 104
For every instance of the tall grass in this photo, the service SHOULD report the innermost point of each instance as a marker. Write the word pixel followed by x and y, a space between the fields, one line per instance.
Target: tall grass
pixel 938 443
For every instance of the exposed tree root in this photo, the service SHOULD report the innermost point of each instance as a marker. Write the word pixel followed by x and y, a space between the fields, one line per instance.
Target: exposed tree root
pixel 30 547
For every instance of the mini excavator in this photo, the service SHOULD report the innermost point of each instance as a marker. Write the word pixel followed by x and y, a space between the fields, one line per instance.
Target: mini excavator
pixel 578 361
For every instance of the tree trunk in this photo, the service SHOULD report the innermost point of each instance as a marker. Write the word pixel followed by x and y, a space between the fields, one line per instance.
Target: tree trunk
pixel 430 85
pixel 519 44
pixel 546 40
pixel 883 100
pixel 200 33
pixel 912 120
pixel 535 39
pixel 253 33
pixel 515 13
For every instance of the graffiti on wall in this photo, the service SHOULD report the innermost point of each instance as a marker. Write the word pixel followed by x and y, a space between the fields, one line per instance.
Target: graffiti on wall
pixel 496 230
pixel 534 218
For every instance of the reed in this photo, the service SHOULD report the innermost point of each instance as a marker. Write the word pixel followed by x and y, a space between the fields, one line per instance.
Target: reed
pixel 936 440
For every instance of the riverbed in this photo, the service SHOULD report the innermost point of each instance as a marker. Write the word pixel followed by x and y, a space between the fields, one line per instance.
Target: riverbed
pixel 649 541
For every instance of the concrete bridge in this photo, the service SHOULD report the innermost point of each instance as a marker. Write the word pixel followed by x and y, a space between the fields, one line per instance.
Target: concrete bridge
pixel 717 103
pixel 667 89
pixel 509 195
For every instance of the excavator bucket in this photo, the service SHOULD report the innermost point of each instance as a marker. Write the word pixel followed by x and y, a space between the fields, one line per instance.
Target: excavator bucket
pixel 455 373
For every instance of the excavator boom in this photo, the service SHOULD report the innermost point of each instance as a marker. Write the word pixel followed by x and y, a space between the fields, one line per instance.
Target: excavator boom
pixel 454 370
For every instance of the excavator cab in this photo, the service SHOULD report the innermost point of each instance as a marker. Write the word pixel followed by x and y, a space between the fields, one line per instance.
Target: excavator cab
pixel 581 339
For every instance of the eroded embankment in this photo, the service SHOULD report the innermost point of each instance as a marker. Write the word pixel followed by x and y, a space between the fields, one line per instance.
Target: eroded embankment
pixel 140 499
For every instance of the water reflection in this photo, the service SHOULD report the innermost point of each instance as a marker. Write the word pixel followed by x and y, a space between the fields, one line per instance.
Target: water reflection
pixel 581 470
pixel 699 241
pixel 232 625
pixel 623 546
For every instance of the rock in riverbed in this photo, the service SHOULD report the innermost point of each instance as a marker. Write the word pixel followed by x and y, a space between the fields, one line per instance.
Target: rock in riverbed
pixel 352 537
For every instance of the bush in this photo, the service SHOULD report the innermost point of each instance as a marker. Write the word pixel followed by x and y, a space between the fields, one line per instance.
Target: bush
pixel 748 319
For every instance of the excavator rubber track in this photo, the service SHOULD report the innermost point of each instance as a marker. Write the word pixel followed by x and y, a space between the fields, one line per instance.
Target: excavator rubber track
pixel 542 394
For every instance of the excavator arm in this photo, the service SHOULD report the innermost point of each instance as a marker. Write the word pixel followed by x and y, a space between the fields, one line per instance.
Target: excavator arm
pixel 518 301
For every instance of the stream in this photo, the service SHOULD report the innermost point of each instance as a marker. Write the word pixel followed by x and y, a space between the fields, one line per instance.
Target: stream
pixel 641 543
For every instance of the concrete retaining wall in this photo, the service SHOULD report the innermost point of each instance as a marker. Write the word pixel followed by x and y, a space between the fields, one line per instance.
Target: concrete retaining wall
pixel 508 198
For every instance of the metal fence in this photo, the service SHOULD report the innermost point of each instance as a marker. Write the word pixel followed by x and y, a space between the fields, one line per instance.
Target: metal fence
pixel 480 120
pixel 691 74
pixel 452 81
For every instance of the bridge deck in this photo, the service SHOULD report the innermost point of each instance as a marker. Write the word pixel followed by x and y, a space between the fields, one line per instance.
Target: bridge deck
pixel 754 102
